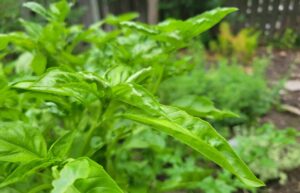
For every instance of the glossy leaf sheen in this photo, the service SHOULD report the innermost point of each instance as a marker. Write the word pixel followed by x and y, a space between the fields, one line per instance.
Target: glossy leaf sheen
pixel 84 175
pixel 114 61
pixel 21 143
pixel 137 96
pixel 202 137
pixel 201 107
pixel 61 83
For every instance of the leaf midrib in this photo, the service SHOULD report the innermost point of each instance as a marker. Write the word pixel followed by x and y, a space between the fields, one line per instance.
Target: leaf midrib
pixel 35 154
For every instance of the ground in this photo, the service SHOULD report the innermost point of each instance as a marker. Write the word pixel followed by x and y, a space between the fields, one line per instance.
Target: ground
pixel 286 64
pixel 292 186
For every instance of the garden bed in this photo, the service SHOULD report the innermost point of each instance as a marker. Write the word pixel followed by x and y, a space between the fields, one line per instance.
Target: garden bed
pixel 285 64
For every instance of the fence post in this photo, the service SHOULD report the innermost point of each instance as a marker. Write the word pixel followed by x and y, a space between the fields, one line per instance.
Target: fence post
pixel 152 11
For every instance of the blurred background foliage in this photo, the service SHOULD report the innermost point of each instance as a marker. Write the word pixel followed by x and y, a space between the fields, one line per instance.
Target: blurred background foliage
pixel 183 9
pixel 11 10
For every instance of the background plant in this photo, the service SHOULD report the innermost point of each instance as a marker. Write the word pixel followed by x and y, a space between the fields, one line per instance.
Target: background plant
pixel 229 85
pixel 286 40
pixel 273 151
pixel 241 45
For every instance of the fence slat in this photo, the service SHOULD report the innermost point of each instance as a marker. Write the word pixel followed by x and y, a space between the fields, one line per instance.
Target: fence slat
pixel 270 16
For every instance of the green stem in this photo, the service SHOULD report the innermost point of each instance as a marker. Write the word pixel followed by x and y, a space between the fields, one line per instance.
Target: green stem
pixel 89 137
pixel 40 188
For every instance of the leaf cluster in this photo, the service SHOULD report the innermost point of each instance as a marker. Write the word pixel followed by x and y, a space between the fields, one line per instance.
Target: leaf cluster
pixel 72 96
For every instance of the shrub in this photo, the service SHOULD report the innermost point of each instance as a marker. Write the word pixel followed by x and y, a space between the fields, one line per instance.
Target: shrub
pixel 71 96
pixel 243 91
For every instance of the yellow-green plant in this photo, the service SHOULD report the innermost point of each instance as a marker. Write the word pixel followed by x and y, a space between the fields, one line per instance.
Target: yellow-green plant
pixel 242 45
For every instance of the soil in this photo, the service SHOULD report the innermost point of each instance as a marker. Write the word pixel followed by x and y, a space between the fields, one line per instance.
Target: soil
pixel 285 65
pixel 292 186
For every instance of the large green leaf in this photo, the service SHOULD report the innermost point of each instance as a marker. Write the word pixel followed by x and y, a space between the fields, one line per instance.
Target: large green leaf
pixel 37 8
pixel 201 107
pixel 21 143
pixel 208 19
pixel 61 83
pixel 137 96
pixel 179 30
pixel 200 136
pixel 84 175
pixel 148 29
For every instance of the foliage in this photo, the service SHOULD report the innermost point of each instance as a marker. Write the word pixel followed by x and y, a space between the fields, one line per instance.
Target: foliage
pixel 182 9
pixel 287 40
pixel 242 45
pixel 163 165
pixel 272 152
pixel 72 97
pixel 185 8
pixel 242 90
pixel 10 11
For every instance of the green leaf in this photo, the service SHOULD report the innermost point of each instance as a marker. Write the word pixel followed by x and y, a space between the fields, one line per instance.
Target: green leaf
pixel 201 107
pixel 37 8
pixel 24 170
pixel 118 74
pixel 23 63
pixel 208 19
pixel 22 40
pixel 4 39
pixel 39 63
pixel 147 29
pixel 84 175
pixel 114 20
pixel 140 75
pixel 137 96
pixel 185 30
pixel 62 145
pixel 33 29
pixel 21 143
pixel 60 10
pixel 61 83
pixel 202 137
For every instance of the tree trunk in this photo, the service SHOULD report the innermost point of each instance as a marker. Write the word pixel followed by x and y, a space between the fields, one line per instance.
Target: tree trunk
pixel 152 11
pixel 92 13
pixel 95 10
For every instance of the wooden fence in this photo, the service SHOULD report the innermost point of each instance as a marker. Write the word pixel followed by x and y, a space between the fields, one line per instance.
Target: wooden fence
pixel 269 16
pixel 98 9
